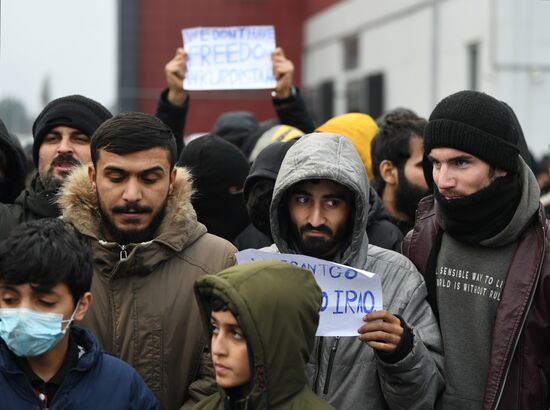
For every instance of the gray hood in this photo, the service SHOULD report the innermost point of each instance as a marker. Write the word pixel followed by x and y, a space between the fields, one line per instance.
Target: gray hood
pixel 527 207
pixel 323 156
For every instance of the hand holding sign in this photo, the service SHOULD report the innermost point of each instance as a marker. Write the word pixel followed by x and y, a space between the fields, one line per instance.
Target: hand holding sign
pixel 175 71
pixel 348 293
pixel 382 331
pixel 283 71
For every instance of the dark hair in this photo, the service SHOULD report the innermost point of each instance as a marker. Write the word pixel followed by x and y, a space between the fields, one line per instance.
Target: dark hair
pixel 391 142
pixel 45 253
pixel 133 132
pixel 217 304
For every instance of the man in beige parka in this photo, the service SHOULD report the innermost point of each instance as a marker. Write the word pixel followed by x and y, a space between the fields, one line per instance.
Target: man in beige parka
pixel 134 206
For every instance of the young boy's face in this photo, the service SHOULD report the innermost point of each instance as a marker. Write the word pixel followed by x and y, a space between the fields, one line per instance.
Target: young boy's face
pixel 57 299
pixel 229 351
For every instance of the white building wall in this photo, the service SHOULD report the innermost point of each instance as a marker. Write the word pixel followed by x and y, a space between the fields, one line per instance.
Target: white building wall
pixel 396 38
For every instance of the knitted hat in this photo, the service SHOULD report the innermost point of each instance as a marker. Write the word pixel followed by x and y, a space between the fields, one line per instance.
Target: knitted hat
pixel 478 124
pixel 359 128
pixel 75 111
pixel 277 133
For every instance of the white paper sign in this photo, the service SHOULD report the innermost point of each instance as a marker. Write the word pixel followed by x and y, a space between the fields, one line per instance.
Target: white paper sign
pixel 348 293
pixel 229 58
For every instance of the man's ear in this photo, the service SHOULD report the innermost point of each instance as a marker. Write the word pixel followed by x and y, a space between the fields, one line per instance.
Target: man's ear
pixel 388 172
pixel 91 176
pixel 173 175
pixel 83 306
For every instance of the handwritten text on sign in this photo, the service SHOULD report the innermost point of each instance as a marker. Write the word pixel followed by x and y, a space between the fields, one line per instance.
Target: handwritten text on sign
pixel 348 293
pixel 229 58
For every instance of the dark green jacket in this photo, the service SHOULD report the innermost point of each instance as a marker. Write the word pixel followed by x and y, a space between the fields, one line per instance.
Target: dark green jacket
pixel 277 307
pixel 33 203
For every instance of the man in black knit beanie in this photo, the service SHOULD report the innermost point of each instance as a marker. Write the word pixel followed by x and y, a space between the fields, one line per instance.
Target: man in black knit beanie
pixel 61 135
pixel 481 242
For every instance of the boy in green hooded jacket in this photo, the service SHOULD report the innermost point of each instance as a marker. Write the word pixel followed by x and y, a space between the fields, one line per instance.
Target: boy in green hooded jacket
pixel 261 318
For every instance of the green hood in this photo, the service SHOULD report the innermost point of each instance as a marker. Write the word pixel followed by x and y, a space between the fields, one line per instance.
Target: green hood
pixel 277 307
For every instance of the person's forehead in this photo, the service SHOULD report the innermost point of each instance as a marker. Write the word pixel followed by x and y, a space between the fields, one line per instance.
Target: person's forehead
pixel 321 185
pixel 135 161
pixel 224 317
pixel 29 289
pixel 63 129
pixel 444 153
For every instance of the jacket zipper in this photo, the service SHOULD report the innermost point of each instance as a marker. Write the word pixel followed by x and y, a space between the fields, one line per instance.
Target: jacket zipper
pixel 330 363
pixel 318 364
pixel 518 333
pixel 123 253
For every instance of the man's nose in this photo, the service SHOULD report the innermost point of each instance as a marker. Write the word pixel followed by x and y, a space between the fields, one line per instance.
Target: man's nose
pixel 65 145
pixel 444 179
pixel 316 216
pixel 132 191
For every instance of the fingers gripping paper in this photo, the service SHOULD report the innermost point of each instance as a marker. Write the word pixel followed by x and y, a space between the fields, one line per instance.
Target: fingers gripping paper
pixel 348 293
pixel 229 58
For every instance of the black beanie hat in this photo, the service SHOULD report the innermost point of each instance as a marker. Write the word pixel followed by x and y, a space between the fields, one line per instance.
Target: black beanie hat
pixel 478 124
pixel 75 111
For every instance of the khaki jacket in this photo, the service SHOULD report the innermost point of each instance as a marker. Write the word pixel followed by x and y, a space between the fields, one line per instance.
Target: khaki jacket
pixel 144 310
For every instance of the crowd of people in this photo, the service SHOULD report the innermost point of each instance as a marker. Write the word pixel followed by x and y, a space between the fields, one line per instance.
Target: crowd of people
pixel 119 286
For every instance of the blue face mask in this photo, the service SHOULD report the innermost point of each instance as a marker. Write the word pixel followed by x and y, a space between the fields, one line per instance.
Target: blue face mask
pixel 30 333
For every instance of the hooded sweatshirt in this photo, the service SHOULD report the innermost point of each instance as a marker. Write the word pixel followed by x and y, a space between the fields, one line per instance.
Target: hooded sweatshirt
pixel 219 170
pixel 277 307
pixel 144 311
pixel 343 370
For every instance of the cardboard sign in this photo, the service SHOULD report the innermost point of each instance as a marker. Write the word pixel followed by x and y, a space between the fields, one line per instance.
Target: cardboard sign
pixel 348 293
pixel 229 58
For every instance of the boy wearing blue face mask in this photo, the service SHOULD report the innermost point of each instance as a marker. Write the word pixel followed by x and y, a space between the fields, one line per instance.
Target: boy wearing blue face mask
pixel 46 361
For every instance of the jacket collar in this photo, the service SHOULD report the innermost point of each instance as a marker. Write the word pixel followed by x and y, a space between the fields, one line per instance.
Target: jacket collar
pixel 178 229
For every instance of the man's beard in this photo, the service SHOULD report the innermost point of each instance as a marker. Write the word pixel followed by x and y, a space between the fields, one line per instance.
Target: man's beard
pixel 318 246
pixel 407 196
pixel 52 183
pixel 124 237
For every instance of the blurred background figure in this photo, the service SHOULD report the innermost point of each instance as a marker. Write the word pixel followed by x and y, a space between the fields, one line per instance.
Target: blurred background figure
pixel 219 170
pixel 13 166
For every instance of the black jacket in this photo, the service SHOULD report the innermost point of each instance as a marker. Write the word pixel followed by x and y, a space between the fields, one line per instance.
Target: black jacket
pixel 33 203
pixel 13 165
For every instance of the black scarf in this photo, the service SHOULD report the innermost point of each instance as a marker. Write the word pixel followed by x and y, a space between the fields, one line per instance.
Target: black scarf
pixel 472 219
pixel 482 215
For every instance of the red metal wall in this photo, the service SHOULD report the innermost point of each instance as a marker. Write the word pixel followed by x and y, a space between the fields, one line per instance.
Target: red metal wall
pixel 159 33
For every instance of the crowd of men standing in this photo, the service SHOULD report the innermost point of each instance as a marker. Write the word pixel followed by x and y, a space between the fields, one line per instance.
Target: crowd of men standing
pixel 124 223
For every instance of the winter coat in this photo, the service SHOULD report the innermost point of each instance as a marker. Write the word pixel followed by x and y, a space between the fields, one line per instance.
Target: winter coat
pixel 144 311
pixel 380 230
pixel 33 203
pixel 173 116
pixel 277 307
pixel 99 381
pixel 293 111
pixel 343 370
pixel 14 166
pixel 519 369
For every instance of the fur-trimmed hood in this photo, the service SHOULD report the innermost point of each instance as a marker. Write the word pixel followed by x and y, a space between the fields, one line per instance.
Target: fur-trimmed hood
pixel 179 228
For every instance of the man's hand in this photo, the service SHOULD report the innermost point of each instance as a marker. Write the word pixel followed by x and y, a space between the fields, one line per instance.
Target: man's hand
pixel 175 71
pixel 283 71
pixel 382 331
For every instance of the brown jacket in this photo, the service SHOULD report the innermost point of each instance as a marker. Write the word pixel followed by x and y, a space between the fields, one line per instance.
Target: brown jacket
pixel 520 353
pixel 144 310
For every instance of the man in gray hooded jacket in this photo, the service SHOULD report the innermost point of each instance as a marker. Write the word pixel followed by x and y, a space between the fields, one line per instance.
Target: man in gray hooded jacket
pixel 319 208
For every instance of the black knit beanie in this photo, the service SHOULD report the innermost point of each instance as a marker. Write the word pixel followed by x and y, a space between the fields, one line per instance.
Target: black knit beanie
pixel 75 111
pixel 478 124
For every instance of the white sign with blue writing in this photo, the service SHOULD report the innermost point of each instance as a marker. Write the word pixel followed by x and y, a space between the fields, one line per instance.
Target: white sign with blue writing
pixel 229 58
pixel 348 293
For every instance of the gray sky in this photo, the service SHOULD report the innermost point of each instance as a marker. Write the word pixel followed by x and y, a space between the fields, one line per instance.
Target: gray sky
pixel 74 42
